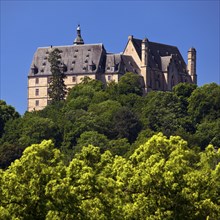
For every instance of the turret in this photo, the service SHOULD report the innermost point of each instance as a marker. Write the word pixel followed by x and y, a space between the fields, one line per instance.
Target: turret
pixel 192 64
pixel 144 61
pixel 144 52
pixel 78 39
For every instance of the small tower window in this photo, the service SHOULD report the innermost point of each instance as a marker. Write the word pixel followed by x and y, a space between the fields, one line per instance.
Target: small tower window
pixel 37 92
pixel 74 79
pixel 109 78
pixel 36 80
pixel 37 103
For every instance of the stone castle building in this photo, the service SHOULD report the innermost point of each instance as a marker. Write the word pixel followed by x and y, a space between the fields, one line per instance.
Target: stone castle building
pixel 161 66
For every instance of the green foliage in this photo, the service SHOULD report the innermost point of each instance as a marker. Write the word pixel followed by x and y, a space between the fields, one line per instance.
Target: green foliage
pixel 204 103
pixel 7 113
pixel 126 124
pixel 162 179
pixel 119 115
pixel 92 138
pixel 130 83
pixel 57 89
pixel 23 183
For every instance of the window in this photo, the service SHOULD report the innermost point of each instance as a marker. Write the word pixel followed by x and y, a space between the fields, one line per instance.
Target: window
pixel 74 79
pixel 37 103
pixel 37 92
pixel 109 78
pixel 36 80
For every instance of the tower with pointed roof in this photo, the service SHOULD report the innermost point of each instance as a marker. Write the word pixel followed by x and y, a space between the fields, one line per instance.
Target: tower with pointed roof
pixel 78 40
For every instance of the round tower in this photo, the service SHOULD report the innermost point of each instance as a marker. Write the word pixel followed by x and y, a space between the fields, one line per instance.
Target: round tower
pixel 192 64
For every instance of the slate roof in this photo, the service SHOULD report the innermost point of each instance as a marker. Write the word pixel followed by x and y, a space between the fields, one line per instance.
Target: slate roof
pixel 83 59
pixel 118 63
pixel 79 59
pixel 156 53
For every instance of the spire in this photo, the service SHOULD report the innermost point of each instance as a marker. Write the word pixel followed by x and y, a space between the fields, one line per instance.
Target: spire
pixel 78 39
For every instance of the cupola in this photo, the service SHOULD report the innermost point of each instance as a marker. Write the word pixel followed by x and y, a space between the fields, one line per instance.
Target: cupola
pixel 78 39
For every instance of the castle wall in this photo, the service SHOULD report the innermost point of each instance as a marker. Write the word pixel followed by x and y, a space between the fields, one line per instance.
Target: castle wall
pixel 38 89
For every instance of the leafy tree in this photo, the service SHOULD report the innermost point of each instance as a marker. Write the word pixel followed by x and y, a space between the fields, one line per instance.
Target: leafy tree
pixel 105 112
pixel 119 146
pixel 35 129
pixel 23 183
pixel 8 153
pixel 204 103
pixel 126 124
pixel 208 133
pixel 130 83
pixel 162 112
pixel 7 113
pixel 93 138
pixel 57 88
pixel 163 179
pixel 86 88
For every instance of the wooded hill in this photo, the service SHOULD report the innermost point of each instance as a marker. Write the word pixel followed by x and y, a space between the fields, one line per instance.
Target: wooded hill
pixel 114 154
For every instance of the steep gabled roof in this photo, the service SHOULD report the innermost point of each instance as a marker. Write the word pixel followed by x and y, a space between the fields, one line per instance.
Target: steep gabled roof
pixel 118 63
pixel 156 53
pixel 78 59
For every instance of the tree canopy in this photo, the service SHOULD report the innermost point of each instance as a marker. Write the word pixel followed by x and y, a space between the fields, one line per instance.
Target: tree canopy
pixel 163 179
pixel 113 153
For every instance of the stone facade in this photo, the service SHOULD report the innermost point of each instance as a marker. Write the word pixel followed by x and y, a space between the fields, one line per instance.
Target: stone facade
pixel 160 65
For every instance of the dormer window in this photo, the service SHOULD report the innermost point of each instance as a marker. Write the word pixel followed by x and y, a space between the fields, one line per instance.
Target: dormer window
pixel 112 69
pixel 63 67
pixel 34 69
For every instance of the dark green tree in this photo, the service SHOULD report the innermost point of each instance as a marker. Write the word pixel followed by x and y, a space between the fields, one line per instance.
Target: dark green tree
pixel 131 83
pixel 57 88
pixel 7 112
pixel 204 103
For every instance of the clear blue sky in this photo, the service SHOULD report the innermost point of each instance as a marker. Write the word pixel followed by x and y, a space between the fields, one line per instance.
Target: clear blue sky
pixel 27 25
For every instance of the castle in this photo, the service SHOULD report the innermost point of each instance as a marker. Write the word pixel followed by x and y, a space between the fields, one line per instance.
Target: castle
pixel 161 66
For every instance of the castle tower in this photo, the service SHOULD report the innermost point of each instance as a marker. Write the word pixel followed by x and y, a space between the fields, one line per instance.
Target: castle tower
pixel 192 64
pixel 144 60
pixel 78 39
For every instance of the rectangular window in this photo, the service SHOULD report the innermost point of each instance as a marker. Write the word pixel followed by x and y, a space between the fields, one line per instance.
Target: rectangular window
pixel 36 80
pixel 37 103
pixel 109 78
pixel 37 92
pixel 74 79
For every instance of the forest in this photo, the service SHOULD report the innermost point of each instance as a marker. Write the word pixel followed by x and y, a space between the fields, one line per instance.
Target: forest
pixel 113 153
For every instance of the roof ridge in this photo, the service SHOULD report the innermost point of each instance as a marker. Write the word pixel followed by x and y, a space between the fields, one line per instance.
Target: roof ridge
pixel 83 45
pixel 163 44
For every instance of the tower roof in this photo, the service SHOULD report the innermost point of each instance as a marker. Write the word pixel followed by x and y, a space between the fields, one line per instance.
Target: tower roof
pixel 78 39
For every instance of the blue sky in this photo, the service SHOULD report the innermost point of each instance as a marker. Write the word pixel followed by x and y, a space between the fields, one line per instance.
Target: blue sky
pixel 27 25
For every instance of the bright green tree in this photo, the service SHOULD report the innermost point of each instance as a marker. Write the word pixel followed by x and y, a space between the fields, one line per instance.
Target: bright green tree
pixel 23 193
